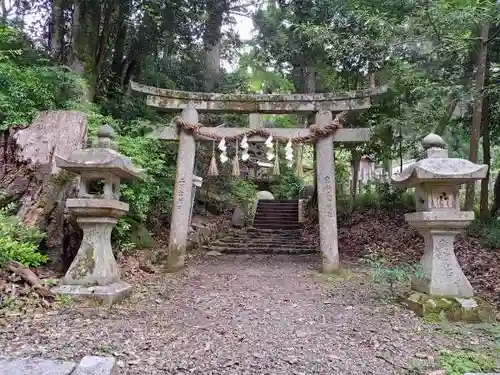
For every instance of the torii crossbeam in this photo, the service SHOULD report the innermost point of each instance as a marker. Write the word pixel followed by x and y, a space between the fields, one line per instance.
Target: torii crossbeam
pixel 323 105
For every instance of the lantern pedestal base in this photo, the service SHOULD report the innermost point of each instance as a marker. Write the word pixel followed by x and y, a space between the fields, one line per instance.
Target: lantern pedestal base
pixel 442 274
pixel 106 294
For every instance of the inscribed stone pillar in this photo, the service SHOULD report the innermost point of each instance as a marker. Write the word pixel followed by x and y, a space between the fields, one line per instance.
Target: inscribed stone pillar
pixel 327 210
pixel 181 207
pixel 255 120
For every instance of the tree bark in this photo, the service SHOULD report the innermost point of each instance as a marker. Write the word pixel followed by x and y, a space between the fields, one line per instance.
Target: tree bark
pixel 215 11
pixel 355 162
pixel 74 57
pixel 495 209
pixel 444 121
pixel 121 36
pixel 477 113
pixel 29 178
pixel 484 211
pixel 57 29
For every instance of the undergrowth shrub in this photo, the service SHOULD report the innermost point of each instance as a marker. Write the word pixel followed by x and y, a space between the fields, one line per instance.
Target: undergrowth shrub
pixel 28 83
pixel 150 199
pixel 487 232
pixel 19 243
pixel 461 362
pixel 384 272
pixel 378 195
pixel 287 185
pixel 244 193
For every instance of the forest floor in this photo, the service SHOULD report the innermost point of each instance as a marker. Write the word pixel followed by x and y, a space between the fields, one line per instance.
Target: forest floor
pixel 247 315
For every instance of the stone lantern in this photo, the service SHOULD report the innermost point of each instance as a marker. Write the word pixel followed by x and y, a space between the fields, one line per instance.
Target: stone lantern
pixel 436 180
pixel 94 272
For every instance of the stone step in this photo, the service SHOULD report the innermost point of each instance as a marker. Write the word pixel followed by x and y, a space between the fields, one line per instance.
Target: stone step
pixel 218 247
pixel 275 231
pixel 265 236
pixel 274 221
pixel 277 201
pixel 276 210
pixel 260 250
pixel 282 205
pixel 264 241
pixel 277 226
pixel 278 215
pixel 230 242
pixel 261 241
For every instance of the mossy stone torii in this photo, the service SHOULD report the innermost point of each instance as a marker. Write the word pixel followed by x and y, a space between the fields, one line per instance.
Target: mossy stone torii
pixel 323 105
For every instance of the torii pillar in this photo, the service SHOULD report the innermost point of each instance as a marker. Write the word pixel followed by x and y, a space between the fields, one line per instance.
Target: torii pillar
pixel 327 206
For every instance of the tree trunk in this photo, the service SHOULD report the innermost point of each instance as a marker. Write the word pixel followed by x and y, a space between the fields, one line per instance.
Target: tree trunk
pixel 495 209
pixel 57 29
pixel 445 119
pixel 355 163
pixel 121 36
pixel 29 178
pixel 215 10
pixel 484 210
pixel 74 58
pixel 475 129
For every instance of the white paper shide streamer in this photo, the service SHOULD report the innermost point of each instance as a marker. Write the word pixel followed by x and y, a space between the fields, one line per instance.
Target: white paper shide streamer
pixel 244 145
pixel 223 148
pixel 269 145
pixel 289 153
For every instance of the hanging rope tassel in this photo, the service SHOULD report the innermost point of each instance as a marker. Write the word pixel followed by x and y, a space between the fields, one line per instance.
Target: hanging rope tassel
pixel 299 169
pixel 212 169
pixel 236 163
pixel 276 169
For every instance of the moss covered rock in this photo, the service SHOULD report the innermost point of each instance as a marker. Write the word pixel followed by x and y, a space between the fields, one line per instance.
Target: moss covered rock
pixel 439 308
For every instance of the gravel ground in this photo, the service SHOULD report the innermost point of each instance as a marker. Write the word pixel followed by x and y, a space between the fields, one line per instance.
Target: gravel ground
pixel 239 315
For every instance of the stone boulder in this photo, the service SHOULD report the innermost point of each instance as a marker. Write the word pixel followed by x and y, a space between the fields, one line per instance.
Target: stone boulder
pixel 265 195
pixel 238 218
pixel 140 236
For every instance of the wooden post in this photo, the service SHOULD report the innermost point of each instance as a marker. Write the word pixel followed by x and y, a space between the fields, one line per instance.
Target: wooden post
pixel 181 206
pixel 327 208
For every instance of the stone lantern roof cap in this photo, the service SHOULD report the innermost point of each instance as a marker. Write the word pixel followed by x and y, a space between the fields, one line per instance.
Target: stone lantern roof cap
pixel 101 157
pixel 437 167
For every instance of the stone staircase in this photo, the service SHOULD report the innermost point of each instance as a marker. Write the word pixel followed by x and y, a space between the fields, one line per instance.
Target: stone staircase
pixel 273 214
pixel 276 230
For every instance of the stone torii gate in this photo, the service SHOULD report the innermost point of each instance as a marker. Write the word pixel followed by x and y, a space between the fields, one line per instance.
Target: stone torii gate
pixel 323 105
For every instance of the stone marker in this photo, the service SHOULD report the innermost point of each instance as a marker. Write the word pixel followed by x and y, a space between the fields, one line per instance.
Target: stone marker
pixel 94 272
pixel 35 366
pixel 438 219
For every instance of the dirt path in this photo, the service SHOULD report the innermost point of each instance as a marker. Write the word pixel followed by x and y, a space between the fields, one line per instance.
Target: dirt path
pixel 240 315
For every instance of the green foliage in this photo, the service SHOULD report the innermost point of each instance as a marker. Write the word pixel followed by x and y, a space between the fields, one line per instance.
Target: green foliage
pixel 383 272
pixel 488 232
pixel 392 197
pixel 287 185
pixel 150 199
pixel 26 89
pixel 18 242
pixel 158 162
pixel 244 193
pixel 383 194
pixel 461 362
